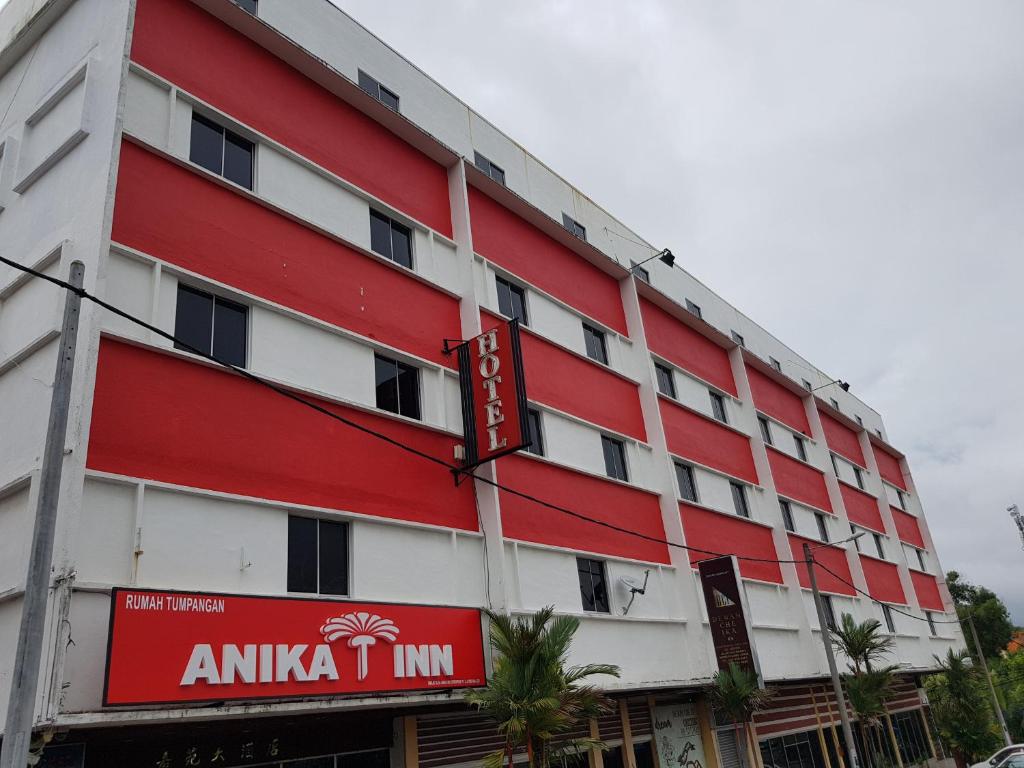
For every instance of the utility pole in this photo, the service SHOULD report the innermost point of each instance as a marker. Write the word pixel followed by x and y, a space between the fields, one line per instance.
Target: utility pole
pixel 25 677
pixel 844 717
pixel 988 679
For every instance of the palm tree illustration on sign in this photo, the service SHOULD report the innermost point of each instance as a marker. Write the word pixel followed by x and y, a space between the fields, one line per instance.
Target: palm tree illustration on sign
pixel 362 630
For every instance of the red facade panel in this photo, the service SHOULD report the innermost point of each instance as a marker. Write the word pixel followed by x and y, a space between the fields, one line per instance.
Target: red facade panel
pixel 798 481
pixel 777 401
pixel 842 439
pixel 200 54
pixel 883 581
pixel 926 587
pixel 707 442
pixel 889 467
pixel 833 558
pixel 569 383
pixel 601 499
pixel 861 508
pixel 159 417
pixel 518 246
pixel 177 215
pixel 717 532
pixel 679 343
pixel 908 527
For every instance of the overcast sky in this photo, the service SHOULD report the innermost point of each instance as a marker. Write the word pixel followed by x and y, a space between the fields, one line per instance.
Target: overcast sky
pixel 849 174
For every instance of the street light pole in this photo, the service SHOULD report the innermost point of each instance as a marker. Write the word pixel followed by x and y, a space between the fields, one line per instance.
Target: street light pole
pixel 844 717
pixel 988 679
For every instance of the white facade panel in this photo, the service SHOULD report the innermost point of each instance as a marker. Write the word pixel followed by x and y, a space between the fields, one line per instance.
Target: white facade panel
pixel 107 530
pixel 15 537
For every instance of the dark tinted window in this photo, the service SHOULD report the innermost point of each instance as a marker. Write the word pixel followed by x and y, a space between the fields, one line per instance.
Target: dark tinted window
pixel 879 548
pixel 397 386
pixel 511 300
pixel 536 434
pixel 887 613
pixel 317 556
pixel 853 532
pixel 666 383
pixel 229 331
pixel 931 623
pixel 718 407
pixel 835 465
pixel 806 383
pixel 835 403
pixel 639 271
pixel 373 87
pixel 489 168
pixel 766 430
pixel 902 499
pixel 593 589
pixel 206 145
pixel 595 344
pixel 920 559
pixel 787 516
pixel 830 611
pixel 687 483
pixel 388 98
pixel 333 551
pixel 247 5
pixel 859 476
pixel 738 339
pixel 302 554
pixel 739 499
pixel 238 160
pixel 775 363
pixel 822 526
pixel 614 458
pixel 390 239
pixel 574 226
pixel 801 449
pixel 211 325
pixel 694 309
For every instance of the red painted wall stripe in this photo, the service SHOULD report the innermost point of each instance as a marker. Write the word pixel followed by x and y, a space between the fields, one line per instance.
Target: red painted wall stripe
pixel 908 527
pixel 777 401
pixel 927 589
pixel 158 417
pixel 889 467
pixel 883 581
pixel 842 439
pixel 722 533
pixel 200 54
pixel 798 481
pixel 705 441
pixel 175 214
pixel 861 508
pixel 602 499
pixel 569 383
pixel 513 243
pixel 833 558
pixel 677 342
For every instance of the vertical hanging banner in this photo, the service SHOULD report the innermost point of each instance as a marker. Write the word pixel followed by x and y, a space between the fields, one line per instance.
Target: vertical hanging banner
pixel 494 413
pixel 727 614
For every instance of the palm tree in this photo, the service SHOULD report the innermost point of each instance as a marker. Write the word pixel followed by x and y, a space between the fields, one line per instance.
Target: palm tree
pixel 737 693
pixel 862 643
pixel 960 705
pixel 534 697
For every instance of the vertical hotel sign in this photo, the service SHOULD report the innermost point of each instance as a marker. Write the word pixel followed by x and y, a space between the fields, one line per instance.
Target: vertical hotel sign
pixel 493 394
pixel 727 613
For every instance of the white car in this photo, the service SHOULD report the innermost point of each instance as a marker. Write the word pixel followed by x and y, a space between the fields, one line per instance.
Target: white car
pixel 1001 756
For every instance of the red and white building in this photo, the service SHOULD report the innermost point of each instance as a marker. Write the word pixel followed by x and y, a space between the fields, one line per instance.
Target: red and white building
pixel 270 182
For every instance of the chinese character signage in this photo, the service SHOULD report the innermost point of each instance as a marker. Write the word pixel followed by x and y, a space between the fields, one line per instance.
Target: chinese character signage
pixel 677 736
pixel 493 394
pixel 173 647
pixel 727 614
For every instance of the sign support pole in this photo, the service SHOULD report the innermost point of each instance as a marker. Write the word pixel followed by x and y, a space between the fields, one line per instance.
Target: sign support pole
pixel 988 679
pixel 25 678
pixel 837 687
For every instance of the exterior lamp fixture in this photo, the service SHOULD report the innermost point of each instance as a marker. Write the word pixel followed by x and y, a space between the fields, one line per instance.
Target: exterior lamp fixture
pixel 665 255
pixel 843 385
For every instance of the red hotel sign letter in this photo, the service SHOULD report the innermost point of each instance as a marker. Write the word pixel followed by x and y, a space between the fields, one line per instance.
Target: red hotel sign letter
pixel 493 394
pixel 176 647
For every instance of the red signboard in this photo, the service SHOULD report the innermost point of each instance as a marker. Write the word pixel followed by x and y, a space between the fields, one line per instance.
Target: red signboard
pixel 174 647
pixel 493 394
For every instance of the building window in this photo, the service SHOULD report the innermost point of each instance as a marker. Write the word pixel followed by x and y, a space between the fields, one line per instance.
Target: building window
pixel 511 300
pixel 212 325
pixel 860 421
pixel 574 226
pixel 835 403
pixel 879 433
pixel 249 6
pixel 787 515
pixel 666 382
pixel 594 339
pixel 221 151
pixel 878 545
pixel 887 613
pixel 801 449
pixel 739 499
pixel 830 611
pixel 920 559
pixel 718 407
pixel 766 430
pixel 640 272
pixel 822 526
pixel 317 556
pixel 687 482
pixel 859 477
pixel 853 532
pixel 398 387
pixel 807 384
pixel 775 364
pixel 489 168
pixel 931 622
pixel 614 458
pixel 738 339
pixel 390 239
pixel 536 435
pixel 593 584
pixel 694 309
pixel 902 499
pixel 835 464
pixel 373 87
